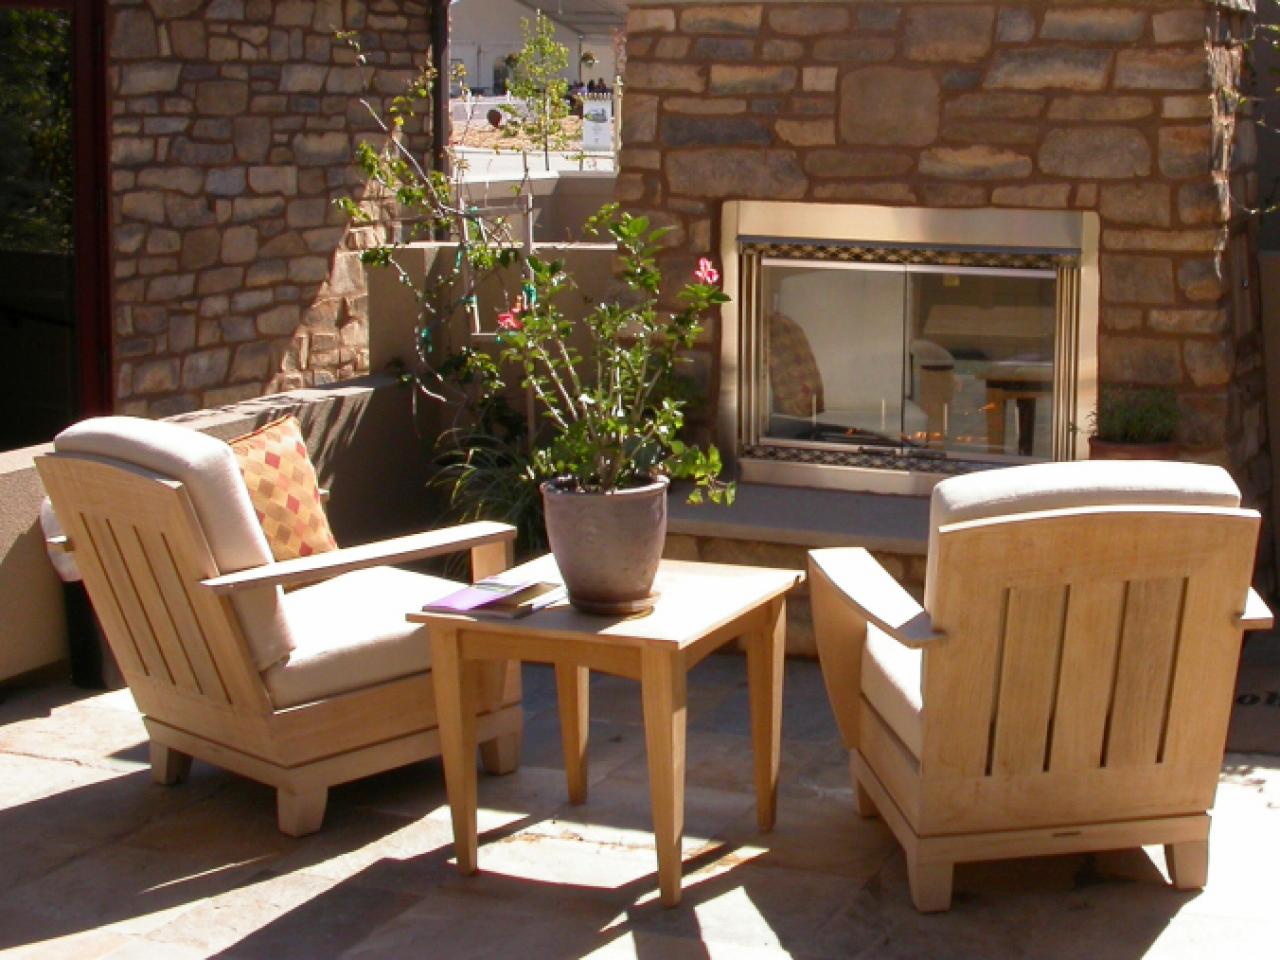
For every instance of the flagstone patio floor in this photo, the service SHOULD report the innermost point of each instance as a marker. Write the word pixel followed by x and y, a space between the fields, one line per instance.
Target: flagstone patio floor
pixel 97 861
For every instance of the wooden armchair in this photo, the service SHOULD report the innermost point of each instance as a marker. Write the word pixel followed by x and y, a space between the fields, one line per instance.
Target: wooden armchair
pixel 1066 685
pixel 300 690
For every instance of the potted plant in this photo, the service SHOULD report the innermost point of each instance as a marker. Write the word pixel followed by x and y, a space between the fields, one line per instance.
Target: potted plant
pixel 608 440
pixel 1133 423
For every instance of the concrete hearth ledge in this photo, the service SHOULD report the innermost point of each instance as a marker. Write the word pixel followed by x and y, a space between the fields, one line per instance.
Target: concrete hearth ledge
pixel 807 517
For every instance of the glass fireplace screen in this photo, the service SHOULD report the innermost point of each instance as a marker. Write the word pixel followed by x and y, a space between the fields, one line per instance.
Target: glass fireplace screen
pixel 968 359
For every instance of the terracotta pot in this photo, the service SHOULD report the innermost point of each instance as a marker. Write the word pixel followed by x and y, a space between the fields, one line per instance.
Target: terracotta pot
pixel 607 545
pixel 1112 450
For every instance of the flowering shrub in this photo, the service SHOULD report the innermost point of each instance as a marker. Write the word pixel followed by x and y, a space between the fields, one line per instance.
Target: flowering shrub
pixel 608 414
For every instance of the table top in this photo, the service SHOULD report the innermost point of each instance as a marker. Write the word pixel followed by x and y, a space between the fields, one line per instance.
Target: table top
pixel 694 599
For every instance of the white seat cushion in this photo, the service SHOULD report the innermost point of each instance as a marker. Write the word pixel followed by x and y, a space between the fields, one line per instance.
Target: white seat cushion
pixel 892 683
pixel 350 632
pixel 207 469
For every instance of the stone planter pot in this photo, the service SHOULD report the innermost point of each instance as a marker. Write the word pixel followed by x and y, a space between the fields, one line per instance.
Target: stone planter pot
pixel 1112 450
pixel 607 545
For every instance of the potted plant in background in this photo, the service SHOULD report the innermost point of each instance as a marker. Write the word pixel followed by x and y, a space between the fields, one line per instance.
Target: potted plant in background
pixel 608 437
pixel 1133 423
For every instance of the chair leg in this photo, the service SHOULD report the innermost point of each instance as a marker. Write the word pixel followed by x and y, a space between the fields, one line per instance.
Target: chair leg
pixel 1188 863
pixel 168 766
pixel 930 885
pixel 501 755
pixel 299 814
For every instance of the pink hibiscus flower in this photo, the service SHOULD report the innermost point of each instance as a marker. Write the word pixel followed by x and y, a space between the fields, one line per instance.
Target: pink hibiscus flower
pixel 706 273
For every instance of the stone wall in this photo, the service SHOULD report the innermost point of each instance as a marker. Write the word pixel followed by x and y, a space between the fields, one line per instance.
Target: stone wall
pixel 1052 105
pixel 232 124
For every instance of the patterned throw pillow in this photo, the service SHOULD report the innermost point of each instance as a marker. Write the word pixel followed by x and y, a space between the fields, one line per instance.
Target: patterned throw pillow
pixel 283 489
pixel 794 377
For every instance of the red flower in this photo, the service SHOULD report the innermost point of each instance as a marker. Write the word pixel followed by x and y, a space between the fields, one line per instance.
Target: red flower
pixel 509 321
pixel 706 273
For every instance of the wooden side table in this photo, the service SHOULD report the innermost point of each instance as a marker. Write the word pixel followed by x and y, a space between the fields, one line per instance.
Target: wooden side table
pixel 701 607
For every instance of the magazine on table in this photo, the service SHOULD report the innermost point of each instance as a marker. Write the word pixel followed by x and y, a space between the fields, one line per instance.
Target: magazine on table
pixel 499 597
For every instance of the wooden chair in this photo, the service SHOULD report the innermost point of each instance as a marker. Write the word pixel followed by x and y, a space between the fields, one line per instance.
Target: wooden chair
pixel 302 691
pixel 1066 685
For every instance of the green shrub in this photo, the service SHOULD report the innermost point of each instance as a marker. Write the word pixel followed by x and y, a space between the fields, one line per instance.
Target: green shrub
pixel 1134 415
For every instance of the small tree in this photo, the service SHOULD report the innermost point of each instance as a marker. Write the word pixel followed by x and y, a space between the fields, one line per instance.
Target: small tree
pixel 540 89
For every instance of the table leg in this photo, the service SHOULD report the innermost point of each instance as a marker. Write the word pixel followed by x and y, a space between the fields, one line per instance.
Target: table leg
pixel 572 695
pixel 1026 407
pixel 766 648
pixel 456 715
pixel 995 419
pixel 662 681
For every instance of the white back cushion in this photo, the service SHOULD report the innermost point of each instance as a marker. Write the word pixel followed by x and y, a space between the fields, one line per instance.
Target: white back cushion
pixel 1077 483
pixel 207 468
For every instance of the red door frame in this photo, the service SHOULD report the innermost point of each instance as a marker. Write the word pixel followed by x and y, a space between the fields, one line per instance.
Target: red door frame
pixel 93 278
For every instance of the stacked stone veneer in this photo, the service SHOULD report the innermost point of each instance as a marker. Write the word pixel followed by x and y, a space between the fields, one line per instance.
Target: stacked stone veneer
pixel 232 125
pixel 1050 105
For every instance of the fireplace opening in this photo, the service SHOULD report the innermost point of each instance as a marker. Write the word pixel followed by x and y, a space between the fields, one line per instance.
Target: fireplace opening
pixel 886 356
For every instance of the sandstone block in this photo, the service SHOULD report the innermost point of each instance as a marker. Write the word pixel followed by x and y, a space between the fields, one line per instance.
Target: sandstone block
pixel 853 163
pixel 974 163
pixel 1180 26
pixel 1129 279
pixel 936 33
pixel 1171 69
pixel 1203 203
pixel 889 106
pixel 1140 360
pixel 200 248
pixel 996 106
pixel 188 40
pixel 1209 362
pixel 235 329
pixel 807 133
pixel 277 179
pixel 677 48
pixel 1189 321
pixel 225 181
pixel 1097 153
pixel 722 18
pixel 666 77
pixel 205 368
pixel 1093 25
pixel 699 106
pixel 252 138
pixel 686 131
pixel 140 79
pixel 303 78
pixel 248 301
pixel 1144 203
pixel 636 158
pixel 990 132
pixel 239 244
pixel 252 362
pixel 182 333
pixel 1015 26
pixel 306 213
pixel 953 195
pixel 280 321
pixel 1204 419
pixel 188 211
pixel 749 173
pixel 132 150
pixel 774 49
pixel 641 20
pixel 818 79
pixel 1119 319
pixel 220 280
pixel 807 21
pixel 733 79
pixel 1045 196
pixel 344 80
pixel 1171 241
pixel 317 149
pixel 133 34
pixel 1185 151
pixel 222 97
pixel 145 205
pixel 1101 108
pixel 156 376
pixel 164 241
pixel 853 48
pixel 1202 280
pixel 1066 68
pixel 166 9
pixel 308 269
pixel 222 49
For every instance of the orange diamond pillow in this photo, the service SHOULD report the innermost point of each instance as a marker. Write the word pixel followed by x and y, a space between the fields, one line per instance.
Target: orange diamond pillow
pixel 283 489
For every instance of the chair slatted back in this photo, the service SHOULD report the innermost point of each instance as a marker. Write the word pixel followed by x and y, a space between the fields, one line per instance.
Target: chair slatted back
pixel 1090 657
pixel 142 553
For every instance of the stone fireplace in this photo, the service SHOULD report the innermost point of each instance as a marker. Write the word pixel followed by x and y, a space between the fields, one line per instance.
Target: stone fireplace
pixel 1026 198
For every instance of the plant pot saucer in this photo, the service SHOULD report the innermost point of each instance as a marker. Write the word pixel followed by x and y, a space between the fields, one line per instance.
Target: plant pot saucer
pixel 615 608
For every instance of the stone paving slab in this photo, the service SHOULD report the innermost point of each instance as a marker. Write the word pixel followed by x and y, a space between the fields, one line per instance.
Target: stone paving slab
pixel 99 862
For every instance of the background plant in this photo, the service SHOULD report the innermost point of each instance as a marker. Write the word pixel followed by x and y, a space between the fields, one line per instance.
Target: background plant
pixel 540 89
pixel 1136 415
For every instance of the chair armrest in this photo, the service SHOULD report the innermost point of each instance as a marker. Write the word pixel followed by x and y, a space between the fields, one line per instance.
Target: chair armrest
pixel 322 566
pixel 868 587
pixel 1257 615
pixel 59 544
